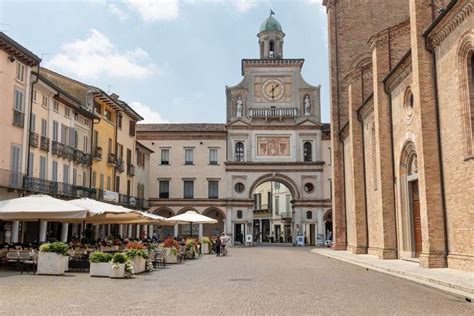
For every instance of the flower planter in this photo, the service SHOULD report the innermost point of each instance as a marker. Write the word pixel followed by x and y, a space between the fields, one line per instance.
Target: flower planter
pixel 171 257
pixel 66 263
pixel 51 263
pixel 118 272
pixel 205 248
pixel 100 269
pixel 139 264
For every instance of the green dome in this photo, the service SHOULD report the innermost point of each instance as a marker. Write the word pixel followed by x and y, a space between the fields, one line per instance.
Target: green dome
pixel 270 24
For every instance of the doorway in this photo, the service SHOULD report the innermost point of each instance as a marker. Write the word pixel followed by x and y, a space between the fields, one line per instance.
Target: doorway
pixel 239 237
pixel 416 218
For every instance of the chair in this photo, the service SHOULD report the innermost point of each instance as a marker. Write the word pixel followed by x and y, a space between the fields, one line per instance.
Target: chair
pixel 160 257
pixel 30 263
pixel 181 256
pixel 12 259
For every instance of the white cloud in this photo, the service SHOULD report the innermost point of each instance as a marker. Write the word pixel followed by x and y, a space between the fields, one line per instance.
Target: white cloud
pixel 243 5
pixel 155 10
pixel 149 115
pixel 117 11
pixel 96 56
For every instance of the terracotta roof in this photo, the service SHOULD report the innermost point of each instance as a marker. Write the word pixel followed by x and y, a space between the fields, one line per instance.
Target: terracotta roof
pixel 184 127
pixel 12 47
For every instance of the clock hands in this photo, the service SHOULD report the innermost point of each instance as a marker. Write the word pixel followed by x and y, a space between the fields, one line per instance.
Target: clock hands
pixel 273 90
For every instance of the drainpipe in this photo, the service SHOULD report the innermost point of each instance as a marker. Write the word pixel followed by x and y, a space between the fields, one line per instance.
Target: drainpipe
pixel 430 49
pixel 29 127
pixel 116 154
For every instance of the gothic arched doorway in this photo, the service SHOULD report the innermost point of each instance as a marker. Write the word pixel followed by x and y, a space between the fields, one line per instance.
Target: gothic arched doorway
pixel 217 228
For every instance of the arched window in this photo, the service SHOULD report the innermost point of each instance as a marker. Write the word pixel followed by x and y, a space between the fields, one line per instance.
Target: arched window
pixel 308 151
pixel 309 215
pixel 239 214
pixel 239 151
pixel 271 52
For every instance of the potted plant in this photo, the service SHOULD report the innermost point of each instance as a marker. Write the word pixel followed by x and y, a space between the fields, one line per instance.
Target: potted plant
pixel 100 264
pixel 190 252
pixel 137 253
pixel 122 267
pixel 52 258
pixel 205 245
pixel 172 247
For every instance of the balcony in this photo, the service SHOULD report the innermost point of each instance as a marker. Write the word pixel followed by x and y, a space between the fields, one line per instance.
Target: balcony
pixel 132 202
pixel 68 152
pixel 87 159
pixel 120 165
pixel 44 143
pixel 34 139
pixel 78 156
pixel 18 118
pixel 130 169
pixel 286 215
pixel 111 159
pixel 11 179
pixel 57 148
pixel 97 153
pixel 273 113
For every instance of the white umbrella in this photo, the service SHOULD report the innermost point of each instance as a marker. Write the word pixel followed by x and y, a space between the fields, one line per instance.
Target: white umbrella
pixel 37 207
pixel 191 217
pixel 106 213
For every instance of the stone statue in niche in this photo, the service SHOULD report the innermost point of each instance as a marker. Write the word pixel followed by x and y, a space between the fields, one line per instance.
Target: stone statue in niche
pixel 239 107
pixel 307 105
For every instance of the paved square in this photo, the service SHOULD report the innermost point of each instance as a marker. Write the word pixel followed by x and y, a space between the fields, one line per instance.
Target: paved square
pixel 266 280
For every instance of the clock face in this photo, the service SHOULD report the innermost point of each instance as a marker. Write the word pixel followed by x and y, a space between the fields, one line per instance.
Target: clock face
pixel 273 89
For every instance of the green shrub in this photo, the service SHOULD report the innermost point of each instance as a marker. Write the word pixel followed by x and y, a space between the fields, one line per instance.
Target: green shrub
pixel 98 256
pixel 119 257
pixel 57 247
pixel 132 253
pixel 205 240
pixel 189 244
pixel 173 250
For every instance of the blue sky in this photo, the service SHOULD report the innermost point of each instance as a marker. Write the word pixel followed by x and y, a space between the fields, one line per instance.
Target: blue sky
pixel 170 59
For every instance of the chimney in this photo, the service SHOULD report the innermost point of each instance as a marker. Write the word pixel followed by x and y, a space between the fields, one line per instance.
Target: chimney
pixel 114 96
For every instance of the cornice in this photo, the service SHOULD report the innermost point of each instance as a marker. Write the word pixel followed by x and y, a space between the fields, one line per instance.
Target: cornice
pixel 448 22
pixel 271 62
pixel 399 73
pixel 382 37
pixel 364 72
pixel 367 108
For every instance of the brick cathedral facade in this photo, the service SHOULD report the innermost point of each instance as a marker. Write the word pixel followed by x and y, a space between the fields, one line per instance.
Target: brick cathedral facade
pixel 402 125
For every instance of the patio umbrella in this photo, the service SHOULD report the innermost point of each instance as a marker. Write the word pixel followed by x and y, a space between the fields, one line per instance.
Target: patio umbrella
pixel 38 207
pixel 191 217
pixel 106 213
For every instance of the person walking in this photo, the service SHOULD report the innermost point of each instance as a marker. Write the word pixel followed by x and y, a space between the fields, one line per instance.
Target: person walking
pixel 218 246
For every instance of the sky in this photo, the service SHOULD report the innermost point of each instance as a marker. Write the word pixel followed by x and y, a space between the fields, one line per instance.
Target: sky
pixel 170 59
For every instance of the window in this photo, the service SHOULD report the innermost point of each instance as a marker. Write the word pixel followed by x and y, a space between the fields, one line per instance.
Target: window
pixel 309 187
pixel 86 122
pixel 56 105
pixel 84 179
pixel 85 146
pixel 110 146
pixel 119 121
pixel 66 174
pixel 34 95
pixel 15 165
pixel 188 156
pixel 55 131
pixel 165 156
pixel 54 175
pixel 309 215
pixel 257 201
pixel 108 114
pixel 109 183
pixel 31 164
pixel 67 111
pixel 467 77
pixel 132 128
pixel 307 151
pixel 164 189
pixel 45 101
pixel 239 214
pixel 20 71
pixel 330 188
pixel 239 151
pixel 239 187
pixel 97 108
pixel 213 154
pixel 330 156
pixel 277 205
pixel 65 134
pixel 18 108
pixel 188 189
pixel 213 188
pixel 288 203
pixel 33 122
pixel 74 176
pixel 117 183
pixel 94 179
pixel 101 181
pixel 76 117
pixel 44 128
pixel 272 49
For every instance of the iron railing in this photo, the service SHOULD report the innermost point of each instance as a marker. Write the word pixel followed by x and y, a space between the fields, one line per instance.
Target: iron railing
pixel 44 143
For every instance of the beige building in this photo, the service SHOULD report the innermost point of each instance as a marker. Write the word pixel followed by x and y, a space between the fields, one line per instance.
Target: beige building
pixel 402 129
pixel 273 133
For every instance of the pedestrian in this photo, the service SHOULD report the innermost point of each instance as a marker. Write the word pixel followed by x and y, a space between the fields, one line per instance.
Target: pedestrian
pixel 218 247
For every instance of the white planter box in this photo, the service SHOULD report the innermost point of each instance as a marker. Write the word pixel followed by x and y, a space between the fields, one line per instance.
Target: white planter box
pixel 205 248
pixel 66 263
pixel 139 264
pixel 171 257
pixel 50 263
pixel 117 273
pixel 100 269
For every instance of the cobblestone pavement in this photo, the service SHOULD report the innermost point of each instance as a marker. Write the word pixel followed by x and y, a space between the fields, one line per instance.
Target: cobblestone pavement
pixel 258 281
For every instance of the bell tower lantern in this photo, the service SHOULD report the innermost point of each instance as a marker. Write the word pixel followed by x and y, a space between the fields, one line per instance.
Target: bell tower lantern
pixel 270 38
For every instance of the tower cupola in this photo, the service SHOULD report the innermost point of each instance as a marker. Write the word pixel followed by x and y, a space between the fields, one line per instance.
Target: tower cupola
pixel 270 38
